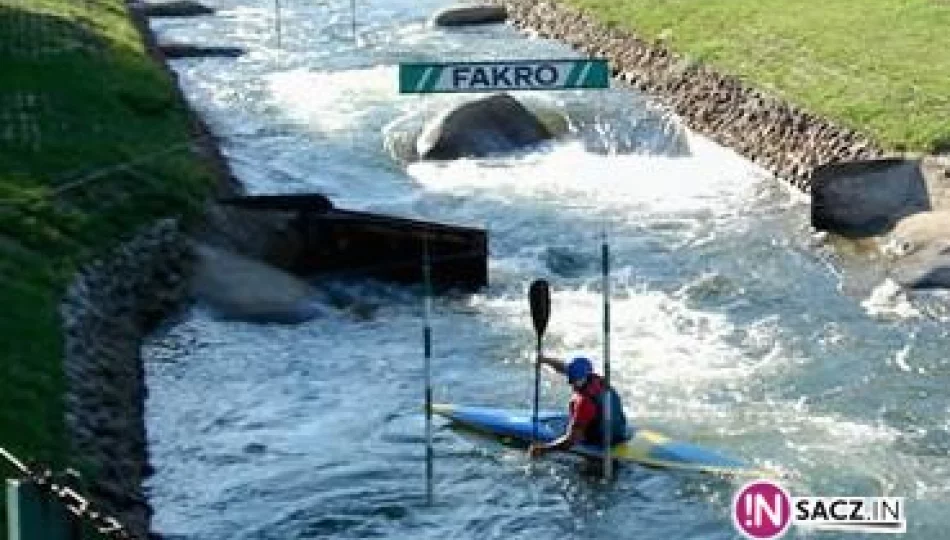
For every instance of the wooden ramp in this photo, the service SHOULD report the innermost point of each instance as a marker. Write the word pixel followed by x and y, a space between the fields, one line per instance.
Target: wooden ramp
pixel 362 244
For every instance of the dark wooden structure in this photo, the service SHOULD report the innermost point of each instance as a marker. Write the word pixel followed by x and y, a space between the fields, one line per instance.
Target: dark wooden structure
pixel 362 244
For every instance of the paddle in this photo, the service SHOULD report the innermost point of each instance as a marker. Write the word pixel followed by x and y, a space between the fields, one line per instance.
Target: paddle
pixel 539 295
pixel 608 436
pixel 427 347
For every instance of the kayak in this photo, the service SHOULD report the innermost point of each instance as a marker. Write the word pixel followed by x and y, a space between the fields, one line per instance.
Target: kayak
pixel 642 446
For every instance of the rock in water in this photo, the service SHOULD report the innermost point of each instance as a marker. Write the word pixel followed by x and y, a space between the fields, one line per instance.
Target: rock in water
pixel 921 243
pixel 566 261
pixel 493 125
pixel 244 289
pixel 866 198
pixel 182 8
pixel 466 15
pixel 183 50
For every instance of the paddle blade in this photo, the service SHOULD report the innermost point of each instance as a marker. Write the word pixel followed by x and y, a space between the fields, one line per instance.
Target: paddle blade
pixel 540 297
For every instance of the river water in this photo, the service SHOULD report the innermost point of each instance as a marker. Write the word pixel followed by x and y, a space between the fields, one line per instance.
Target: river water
pixel 732 325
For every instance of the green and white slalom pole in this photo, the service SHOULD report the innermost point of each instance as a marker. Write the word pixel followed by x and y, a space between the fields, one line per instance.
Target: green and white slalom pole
pixel 427 346
pixel 277 27
pixel 608 436
pixel 353 19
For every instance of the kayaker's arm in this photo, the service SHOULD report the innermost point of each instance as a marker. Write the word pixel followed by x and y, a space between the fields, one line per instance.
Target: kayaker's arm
pixel 573 435
pixel 555 363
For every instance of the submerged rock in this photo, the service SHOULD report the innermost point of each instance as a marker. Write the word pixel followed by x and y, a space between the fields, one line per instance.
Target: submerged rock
pixel 182 50
pixel 566 261
pixel 468 15
pixel 624 134
pixel 238 288
pixel 180 8
pixel 255 448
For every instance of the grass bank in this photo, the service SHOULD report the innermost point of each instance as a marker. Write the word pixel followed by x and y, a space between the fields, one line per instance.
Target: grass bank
pixel 93 144
pixel 878 66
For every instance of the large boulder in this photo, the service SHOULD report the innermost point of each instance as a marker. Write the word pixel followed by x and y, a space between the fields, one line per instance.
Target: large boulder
pixel 466 15
pixel 920 244
pixel 493 125
pixel 239 288
pixel 860 199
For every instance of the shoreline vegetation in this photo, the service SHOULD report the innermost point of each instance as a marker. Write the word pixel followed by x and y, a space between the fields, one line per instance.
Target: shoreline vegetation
pixel 94 145
pixel 877 66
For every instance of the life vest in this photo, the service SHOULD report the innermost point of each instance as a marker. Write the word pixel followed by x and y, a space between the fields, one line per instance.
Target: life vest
pixel 594 434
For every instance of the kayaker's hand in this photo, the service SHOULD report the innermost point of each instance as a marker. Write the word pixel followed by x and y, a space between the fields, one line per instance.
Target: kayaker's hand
pixel 535 451
pixel 553 363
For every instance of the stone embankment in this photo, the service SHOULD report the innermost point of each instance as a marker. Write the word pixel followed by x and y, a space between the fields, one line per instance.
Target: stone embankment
pixel 108 310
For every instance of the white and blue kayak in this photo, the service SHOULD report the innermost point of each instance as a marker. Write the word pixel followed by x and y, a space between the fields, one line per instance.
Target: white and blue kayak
pixel 643 446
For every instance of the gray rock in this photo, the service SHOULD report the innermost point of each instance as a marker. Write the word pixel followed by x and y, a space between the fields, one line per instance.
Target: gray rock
pixel 469 15
pixel 182 50
pixel 180 8
pixel 566 261
pixel 866 198
pixel 492 125
pixel 231 285
pixel 255 448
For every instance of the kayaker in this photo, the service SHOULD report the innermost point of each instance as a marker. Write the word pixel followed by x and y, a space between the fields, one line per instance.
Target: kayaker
pixel 586 408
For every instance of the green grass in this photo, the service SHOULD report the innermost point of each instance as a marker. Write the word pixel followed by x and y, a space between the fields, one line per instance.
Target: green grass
pixel 78 94
pixel 880 66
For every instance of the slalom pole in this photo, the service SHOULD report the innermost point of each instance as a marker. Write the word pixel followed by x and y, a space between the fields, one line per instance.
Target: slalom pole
pixel 537 392
pixel 427 346
pixel 353 18
pixel 277 26
pixel 608 438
